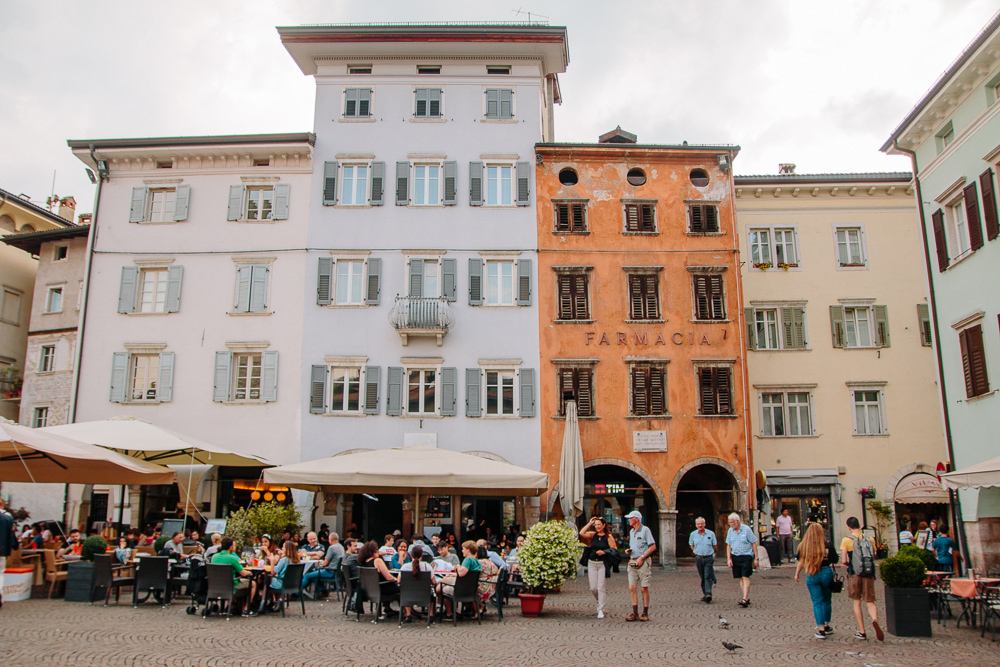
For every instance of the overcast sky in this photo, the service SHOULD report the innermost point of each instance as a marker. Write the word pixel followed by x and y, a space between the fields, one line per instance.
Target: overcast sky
pixel 820 84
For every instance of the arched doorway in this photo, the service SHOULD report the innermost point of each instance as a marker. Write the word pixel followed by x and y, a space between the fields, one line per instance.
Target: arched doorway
pixel 706 490
pixel 612 492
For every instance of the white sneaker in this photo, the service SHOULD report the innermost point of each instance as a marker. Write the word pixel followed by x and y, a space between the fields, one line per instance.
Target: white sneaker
pixel 600 614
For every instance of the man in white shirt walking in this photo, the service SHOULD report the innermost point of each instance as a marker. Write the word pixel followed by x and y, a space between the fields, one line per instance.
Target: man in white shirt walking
pixel 784 526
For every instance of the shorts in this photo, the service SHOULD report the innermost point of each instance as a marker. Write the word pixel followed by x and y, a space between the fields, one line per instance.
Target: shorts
pixel 639 576
pixel 861 588
pixel 742 567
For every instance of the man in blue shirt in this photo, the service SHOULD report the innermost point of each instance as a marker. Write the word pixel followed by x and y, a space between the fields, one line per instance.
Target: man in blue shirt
pixel 641 546
pixel 944 549
pixel 703 544
pixel 741 554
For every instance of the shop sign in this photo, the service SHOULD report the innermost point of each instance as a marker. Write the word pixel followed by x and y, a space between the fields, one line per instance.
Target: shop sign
pixel 789 490
pixel 646 339
pixel 613 489
pixel 649 441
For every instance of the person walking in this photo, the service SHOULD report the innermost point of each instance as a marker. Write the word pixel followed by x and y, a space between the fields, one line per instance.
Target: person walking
pixel 741 554
pixel 8 541
pixel 858 554
pixel 600 541
pixel 641 546
pixel 784 526
pixel 945 550
pixel 704 543
pixel 817 556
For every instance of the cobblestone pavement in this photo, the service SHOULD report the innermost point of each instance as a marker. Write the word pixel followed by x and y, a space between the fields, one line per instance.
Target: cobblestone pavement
pixel 776 629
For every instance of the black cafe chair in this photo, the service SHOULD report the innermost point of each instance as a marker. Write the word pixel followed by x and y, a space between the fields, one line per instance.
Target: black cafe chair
pixel 415 591
pixel 291 584
pixel 151 576
pixel 371 585
pixel 466 590
pixel 220 587
pixel 104 577
pixel 345 573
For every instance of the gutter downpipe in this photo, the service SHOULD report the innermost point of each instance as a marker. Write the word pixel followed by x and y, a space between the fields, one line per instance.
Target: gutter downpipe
pixel 741 332
pixel 956 501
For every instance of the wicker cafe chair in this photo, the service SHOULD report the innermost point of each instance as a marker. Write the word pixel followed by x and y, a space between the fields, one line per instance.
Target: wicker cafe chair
pixel 55 570
pixel 104 577
pixel 415 591
pixel 466 590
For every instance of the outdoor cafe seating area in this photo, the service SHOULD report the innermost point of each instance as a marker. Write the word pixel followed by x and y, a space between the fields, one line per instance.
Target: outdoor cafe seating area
pixel 972 599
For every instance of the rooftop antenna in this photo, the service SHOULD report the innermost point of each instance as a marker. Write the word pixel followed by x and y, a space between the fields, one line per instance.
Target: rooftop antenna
pixel 521 12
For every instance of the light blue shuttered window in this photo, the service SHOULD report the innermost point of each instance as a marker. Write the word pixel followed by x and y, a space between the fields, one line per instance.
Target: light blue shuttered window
pixel 251 288
pixel 357 102
pixel 500 392
pixel 427 103
pixel 499 103
pixel 343 282
pixel 160 204
pixel 258 202
pixel 146 378
pixel 503 282
pixel 150 290
pixel 246 376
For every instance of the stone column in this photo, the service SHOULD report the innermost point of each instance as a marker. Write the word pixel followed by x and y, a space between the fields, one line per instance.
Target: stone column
pixel 348 507
pixel 409 518
pixel 667 547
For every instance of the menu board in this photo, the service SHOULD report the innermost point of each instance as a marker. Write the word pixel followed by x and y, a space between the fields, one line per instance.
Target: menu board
pixel 438 507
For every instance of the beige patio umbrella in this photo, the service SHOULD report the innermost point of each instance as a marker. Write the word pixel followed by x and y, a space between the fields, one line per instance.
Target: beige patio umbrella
pixel 570 490
pixel 976 476
pixel 31 455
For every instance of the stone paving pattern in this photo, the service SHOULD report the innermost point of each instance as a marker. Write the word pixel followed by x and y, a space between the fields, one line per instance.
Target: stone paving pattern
pixel 776 629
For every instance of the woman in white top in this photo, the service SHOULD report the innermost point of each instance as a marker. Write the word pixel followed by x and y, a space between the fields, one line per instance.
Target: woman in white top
pixel 408 567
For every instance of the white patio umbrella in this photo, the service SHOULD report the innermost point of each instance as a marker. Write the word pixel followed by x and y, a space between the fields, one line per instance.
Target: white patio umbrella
pixel 982 474
pixel 32 455
pixel 571 467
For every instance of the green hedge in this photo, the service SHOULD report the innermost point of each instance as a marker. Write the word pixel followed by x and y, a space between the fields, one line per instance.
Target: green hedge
pixel 903 571
pixel 927 557
pixel 95 544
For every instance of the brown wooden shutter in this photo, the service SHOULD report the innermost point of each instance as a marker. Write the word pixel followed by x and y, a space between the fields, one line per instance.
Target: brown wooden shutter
pixel 974 361
pixel 635 297
pixel 580 298
pixel 723 391
pixel 631 217
pixel 652 297
pixel 706 386
pixel 697 219
pixel 579 211
pixel 584 394
pixel 565 298
pixel 989 204
pixel 657 396
pixel 648 221
pixel 702 310
pixel 562 217
pixel 711 218
pixel 566 384
pixel 972 216
pixel 640 403
pixel 937 219
pixel 718 298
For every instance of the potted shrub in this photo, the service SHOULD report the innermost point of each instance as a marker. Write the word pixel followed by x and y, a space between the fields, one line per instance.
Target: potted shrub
pixel 80 574
pixel 907 602
pixel 927 557
pixel 547 558
pixel 882 518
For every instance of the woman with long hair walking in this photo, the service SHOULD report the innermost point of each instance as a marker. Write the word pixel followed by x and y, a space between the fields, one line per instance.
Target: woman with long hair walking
pixel 600 541
pixel 817 556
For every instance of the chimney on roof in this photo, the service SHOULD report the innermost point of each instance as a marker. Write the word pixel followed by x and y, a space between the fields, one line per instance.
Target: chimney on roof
pixel 84 218
pixel 67 208
pixel 786 168
pixel 617 136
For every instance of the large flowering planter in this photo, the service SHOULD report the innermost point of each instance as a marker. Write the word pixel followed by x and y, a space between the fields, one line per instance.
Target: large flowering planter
pixel 547 558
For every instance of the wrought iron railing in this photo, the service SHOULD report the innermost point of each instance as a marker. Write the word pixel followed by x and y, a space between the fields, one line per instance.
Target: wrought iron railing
pixel 425 313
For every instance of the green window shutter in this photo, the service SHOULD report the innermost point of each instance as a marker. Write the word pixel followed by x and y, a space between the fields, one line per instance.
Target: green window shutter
pixel 493 103
pixel 450 184
pixel 394 392
pixel 258 289
pixel 799 328
pixel 137 212
pixel 420 103
pixel 416 278
pixel 221 377
pixel 449 278
pixel 372 377
pixel 126 290
pixel 317 390
pixel 506 103
pixel 434 102
pixel 182 200
pixel 751 324
pixel 989 204
pixel 329 183
pixel 523 190
pixel 527 380
pixel 324 280
pixel 972 216
pixel 524 282
pixel 350 103
pixel 378 183
pixel 175 275
pixel 881 326
pixel 449 391
pixel 475 184
pixel 924 318
pixel 473 397
pixel 937 222
pixel 364 102
pixel 475 281
pixel 374 287
pixel 269 376
pixel 119 376
pixel 402 183
pixel 837 326
pixel 165 382
pixel 281 196
pixel 243 276
pixel 235 211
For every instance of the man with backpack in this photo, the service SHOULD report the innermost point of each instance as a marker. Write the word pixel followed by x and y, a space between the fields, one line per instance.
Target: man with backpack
pixel 858 554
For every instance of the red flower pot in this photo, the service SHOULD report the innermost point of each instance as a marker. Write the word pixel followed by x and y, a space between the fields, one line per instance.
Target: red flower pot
pixel 531 604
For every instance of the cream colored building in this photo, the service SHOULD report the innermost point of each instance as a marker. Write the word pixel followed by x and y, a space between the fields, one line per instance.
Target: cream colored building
pixel 843 387
pixel 17 285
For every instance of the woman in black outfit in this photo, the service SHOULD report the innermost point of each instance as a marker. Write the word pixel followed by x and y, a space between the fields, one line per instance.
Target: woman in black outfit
pixel 598 536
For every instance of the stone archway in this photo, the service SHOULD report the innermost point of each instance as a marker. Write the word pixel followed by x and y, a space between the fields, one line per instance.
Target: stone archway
pixel 660 498
pixel 741 484
pixel 709 476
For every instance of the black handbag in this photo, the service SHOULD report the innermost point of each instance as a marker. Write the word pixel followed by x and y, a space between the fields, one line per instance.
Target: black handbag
pixel 585 558
pixel 837 585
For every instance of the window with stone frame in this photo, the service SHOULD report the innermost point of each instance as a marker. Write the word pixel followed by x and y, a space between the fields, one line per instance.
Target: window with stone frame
pixel 643 292
pixel 648 382
pixel 715 391
pixel 576 383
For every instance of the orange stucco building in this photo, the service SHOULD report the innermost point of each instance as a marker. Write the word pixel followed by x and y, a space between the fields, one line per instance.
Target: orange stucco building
pixel 641 324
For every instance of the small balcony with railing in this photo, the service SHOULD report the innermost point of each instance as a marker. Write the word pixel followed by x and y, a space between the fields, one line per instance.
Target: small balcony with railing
pixel 421 316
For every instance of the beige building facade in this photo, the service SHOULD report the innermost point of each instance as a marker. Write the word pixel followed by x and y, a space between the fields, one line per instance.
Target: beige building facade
pixel 843 388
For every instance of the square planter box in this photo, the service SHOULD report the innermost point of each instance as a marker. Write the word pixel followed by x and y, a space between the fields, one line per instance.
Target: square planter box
pixel 908 612
pixel 79 579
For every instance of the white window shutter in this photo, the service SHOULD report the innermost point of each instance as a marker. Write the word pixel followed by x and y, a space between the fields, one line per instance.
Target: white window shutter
pixel 175 275
pixel 235 211
pixel 243 276
pixel 258 289
pixel 269 376
pixel 126 290
pixel 165 383
pixel 182 199
pixel 751 322
pixel 282 192
pixel 137 212
pixel 119 376
pixel 223 362
pixel 881 325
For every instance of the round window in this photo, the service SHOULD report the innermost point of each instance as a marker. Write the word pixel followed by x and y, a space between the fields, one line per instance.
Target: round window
pixel 699 178
pixel 568 177
pixel 636 177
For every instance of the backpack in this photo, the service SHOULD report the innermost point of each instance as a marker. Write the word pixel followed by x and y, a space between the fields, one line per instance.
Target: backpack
pixel 863 558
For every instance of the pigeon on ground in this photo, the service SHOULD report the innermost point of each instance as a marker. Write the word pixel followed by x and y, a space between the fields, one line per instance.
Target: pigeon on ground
pixel 731 646
pixel 723 623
